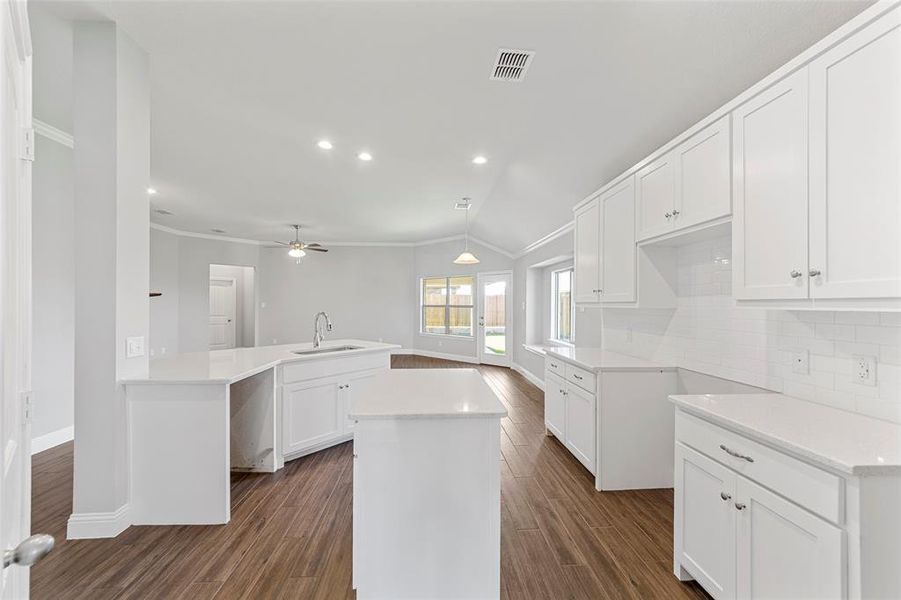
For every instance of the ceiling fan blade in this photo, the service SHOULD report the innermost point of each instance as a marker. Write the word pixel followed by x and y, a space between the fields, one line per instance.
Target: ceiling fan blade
pixel 281 243
pixel 317 249
pixel 312 245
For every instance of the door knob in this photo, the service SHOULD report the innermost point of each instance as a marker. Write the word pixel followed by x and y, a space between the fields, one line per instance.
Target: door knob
pixel 30 551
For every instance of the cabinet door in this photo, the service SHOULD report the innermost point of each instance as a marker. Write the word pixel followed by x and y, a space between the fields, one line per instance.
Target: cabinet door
pixel 618 243
pixel 783 550
pixel 348 389
pixel 555 405
pixel 855 159
pixel 581 424
pixel 587 259
pixel 314 413
pixel 655 198
pixel 703 176
pixel 704 521
pixel 769 228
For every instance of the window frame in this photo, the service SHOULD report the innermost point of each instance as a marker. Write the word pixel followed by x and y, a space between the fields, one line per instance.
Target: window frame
pixel 572 307
pixel 447 306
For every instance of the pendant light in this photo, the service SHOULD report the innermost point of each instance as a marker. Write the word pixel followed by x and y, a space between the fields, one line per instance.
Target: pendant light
pixel 466 257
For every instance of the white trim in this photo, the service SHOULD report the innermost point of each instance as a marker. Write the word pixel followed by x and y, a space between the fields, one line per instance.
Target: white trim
pixel 801 60
pixel 547 239
pixel 429 354
pixel 18 13
pixel 204 236
pixel 469 338
pixel 52 439
pixel 98 525
pixel 531 377
pixel 52 133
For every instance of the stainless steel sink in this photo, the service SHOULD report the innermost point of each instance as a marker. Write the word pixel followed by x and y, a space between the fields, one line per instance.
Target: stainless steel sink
pixel 328 349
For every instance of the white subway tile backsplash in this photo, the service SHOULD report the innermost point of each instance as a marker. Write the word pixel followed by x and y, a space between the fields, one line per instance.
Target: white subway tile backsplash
pixel 707 333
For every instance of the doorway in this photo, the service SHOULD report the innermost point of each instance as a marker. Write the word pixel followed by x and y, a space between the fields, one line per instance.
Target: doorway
pixel 494 317
pixel 232 316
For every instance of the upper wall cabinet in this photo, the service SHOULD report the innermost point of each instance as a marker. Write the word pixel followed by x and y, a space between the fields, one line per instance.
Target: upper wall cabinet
pixel 687 186
pixel 587 256
pixel 855 165
pixel 830 230
pixel 769 227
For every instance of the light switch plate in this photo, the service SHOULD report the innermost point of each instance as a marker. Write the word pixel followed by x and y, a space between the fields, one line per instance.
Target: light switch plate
pixel 864 370
pixel 134 346
pixel 801 361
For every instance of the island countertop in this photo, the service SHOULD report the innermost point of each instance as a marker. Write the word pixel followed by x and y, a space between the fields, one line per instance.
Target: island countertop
pixel 229 366
pixel 847 442
pixel 426 393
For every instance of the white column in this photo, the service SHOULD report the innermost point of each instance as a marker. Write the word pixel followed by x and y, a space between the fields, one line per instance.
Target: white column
pixel 111 115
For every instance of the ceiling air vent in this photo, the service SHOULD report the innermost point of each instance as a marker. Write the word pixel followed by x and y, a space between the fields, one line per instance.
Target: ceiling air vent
pixel 511 65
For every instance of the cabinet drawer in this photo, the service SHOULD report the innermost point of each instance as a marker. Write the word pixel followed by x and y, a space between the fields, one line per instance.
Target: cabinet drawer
pixel 582 378
pixel 814 489
pixel 327 367
pixel 554 365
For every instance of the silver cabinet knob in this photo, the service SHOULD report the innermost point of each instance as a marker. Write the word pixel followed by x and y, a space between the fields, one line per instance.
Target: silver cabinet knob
pixel 725 496
pixel 795 273
pixel 814 272
pixel 30 551
pixel 740 506
pixel 675 213
pixel 668 215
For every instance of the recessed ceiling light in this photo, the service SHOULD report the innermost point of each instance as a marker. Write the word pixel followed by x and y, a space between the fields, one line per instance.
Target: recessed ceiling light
pixel 479 160
pixel 324 144
pixel 151 191
pixel 364 156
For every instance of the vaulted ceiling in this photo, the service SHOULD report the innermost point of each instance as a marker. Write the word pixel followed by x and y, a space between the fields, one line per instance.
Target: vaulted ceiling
pixel 242 91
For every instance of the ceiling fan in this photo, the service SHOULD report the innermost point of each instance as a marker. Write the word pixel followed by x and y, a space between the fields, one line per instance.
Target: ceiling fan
pixel 297 248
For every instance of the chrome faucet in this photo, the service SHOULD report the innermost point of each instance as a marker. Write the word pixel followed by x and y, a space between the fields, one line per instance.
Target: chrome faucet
pixel 318 335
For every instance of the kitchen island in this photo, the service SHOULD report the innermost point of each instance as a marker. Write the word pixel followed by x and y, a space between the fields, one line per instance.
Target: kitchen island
pixel 197 416
pixel 426 494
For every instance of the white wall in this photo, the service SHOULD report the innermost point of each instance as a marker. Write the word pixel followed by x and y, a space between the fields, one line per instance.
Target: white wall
pixel 438 260
pixel 708 334
pixel 164 261
pixel 244 300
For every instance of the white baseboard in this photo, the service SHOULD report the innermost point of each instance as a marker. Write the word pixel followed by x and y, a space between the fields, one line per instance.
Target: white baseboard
pixel 457 357
pixel 54 438
pixel 533 379
pixel 98 525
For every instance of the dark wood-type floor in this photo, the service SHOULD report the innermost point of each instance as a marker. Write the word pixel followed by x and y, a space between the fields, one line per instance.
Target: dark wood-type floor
pixel 290 534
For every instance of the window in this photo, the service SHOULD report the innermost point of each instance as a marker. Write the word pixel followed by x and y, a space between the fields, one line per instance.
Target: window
pixel 446 304
pixel 562 306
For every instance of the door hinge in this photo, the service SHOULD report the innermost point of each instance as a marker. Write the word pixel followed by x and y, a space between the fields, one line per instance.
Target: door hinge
pixel 27 150
pixel 27 405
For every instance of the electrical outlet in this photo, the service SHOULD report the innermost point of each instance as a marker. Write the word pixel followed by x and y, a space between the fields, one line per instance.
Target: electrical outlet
pixel 134 346
pixel 801 361
pixel 864 371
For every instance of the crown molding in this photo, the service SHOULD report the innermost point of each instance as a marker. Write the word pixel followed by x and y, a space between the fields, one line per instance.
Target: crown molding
pixel 429 242
pixel 547 239
pixel 52 133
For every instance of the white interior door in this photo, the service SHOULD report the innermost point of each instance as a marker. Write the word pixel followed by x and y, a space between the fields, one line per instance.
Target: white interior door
pixel 15 291
pixel 223 312
pixel 495 318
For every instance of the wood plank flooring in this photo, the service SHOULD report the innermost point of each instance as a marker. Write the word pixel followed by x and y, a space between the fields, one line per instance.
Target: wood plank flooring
pixel 290 534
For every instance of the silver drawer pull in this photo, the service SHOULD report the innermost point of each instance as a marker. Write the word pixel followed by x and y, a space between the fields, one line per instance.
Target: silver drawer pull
pixel 579 377
pixel 740 506
pixel 726 497
pixel 732 452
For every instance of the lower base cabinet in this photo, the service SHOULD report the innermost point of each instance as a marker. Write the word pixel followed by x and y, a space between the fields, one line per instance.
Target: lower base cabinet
pixel 570 414
pixel 739 539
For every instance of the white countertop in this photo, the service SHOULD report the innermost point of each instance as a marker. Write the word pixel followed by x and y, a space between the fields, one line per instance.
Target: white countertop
pixel 596 359
pixel 844 441
pixel 229 366
pixel 425 393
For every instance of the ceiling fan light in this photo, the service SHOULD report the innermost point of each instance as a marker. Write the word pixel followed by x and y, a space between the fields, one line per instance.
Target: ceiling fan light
pixel 466 258
pixel 296 253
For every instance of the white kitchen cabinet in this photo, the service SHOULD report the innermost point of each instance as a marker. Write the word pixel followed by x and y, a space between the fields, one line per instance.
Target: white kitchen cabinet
pixel 769 227
pixel 784 551
pixel 705 521
pixel 655 197
pixel 855 159
pixel 587 259
pixel 347 389
pixel 555 405
pixel 313 414
pixel 703 176
pixel 617 206
pixel 581 422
